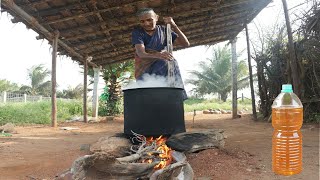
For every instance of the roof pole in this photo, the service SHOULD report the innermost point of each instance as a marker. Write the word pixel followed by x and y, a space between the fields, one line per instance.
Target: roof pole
pixel 85 88
pixel 34 23
pixel 95 99
pixel 54 80
pixel 234 78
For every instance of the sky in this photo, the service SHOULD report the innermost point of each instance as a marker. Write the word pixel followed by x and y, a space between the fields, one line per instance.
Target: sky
pixel 19 49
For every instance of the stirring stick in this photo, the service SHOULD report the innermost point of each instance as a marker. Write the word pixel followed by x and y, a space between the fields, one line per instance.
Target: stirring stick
pixel 171 78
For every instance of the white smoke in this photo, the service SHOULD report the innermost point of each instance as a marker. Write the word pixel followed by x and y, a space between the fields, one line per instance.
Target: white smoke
pixel 150 81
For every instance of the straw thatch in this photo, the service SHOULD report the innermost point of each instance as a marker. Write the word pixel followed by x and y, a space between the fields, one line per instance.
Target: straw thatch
pixel 102 28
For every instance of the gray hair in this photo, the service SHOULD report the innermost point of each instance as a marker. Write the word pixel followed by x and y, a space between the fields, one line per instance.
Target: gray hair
pixel 143 11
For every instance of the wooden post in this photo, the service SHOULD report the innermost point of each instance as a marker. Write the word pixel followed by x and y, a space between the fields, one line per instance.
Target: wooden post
pixel 4 97
pixel 25 98
pixel 95 99
pixel 54 80
pixel 292 58
pixel 85 89
pixel 234 78
pixel 253 99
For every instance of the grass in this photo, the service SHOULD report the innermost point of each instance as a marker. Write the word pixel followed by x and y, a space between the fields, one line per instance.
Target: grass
pixel 202 104
pixel 38 112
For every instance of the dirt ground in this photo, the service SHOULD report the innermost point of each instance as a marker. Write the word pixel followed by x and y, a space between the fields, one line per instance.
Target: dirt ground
pixel 42 152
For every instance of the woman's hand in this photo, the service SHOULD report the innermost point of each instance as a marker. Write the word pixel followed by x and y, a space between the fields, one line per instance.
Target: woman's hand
pixel 165 55
pixel 169 20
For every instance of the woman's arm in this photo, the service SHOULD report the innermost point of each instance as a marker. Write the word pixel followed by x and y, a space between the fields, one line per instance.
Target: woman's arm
pixel 181 39
pixel 141 52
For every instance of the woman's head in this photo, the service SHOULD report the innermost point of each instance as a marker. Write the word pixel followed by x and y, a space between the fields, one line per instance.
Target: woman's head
pixel 147 18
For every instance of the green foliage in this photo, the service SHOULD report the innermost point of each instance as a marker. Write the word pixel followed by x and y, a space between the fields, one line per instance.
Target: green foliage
pixel 6 85
pixel 202 104
pixel 38 112
pixel 39 85
pixel 315 117
pixel 107 108
pixel 215 75
pixel 114 76
pixel 71 93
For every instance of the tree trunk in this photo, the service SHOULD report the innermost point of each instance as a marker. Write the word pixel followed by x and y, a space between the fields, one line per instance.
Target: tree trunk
pixel 292 57
pixel 223 96
pixel 253 99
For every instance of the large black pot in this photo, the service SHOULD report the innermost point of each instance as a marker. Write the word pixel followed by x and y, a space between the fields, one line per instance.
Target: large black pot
pixel 153 111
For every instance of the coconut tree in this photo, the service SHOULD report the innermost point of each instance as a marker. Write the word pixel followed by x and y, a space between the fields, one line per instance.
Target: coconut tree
pixel 38 75
pixel 214 75
pixel 71 92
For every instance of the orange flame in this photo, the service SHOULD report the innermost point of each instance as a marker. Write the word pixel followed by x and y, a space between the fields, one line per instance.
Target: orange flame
pixel 165 152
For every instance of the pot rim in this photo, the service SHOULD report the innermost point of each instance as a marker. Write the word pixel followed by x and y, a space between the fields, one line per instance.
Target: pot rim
pixel 153 88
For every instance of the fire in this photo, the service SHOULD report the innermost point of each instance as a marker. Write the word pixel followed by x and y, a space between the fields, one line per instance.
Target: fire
pixel 164 152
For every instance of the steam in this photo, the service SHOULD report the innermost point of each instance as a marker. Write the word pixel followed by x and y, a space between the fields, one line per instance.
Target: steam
pixel 151 81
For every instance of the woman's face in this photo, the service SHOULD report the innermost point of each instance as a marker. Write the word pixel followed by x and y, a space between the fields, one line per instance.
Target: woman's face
pixel 148 21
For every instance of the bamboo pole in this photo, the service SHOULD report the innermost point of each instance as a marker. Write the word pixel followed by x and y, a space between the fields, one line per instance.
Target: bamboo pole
pixel 234 79
pixel 253 99
pixel 292 58
pixel 54 80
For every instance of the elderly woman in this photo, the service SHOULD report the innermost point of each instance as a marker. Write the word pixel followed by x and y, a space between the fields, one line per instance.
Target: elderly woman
pixel 150 43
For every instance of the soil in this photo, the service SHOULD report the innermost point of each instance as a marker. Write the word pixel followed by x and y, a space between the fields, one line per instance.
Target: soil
pixel 42 152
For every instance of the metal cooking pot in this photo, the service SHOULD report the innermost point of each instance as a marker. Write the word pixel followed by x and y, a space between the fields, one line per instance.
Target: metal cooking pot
pixel 153 111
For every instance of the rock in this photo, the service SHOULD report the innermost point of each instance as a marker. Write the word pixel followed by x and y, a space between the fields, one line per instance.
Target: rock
pixel 195 141
pixel 223 112
pixel 229 112
pixel 206 112
pixel 74 118
pixel 216 112
pixel 66 175
pixel 7 128
pixel 104 166
pixel 180 169
pixel 116 146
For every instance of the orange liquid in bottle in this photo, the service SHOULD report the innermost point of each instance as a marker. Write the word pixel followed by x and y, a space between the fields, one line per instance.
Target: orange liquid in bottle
pixel 287 140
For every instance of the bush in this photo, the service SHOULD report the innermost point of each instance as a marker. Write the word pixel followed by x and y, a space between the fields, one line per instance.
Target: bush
pixel 38 112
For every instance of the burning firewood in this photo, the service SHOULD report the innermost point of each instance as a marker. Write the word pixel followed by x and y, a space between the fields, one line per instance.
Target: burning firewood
pixel 149 150
pixel 150 159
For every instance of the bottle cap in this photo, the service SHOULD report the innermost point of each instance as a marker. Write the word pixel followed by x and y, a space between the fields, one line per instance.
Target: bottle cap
pixel 286 88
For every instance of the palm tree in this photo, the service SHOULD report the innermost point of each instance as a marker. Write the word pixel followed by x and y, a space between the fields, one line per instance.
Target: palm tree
pixel 39 85
pixel 114 76
pixel 71 92
pixel 215 75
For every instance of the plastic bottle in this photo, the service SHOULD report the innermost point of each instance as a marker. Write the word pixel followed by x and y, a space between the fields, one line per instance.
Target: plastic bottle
pixel 287 119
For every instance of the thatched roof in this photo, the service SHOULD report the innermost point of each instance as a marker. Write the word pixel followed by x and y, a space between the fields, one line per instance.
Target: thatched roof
pixel 102 28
